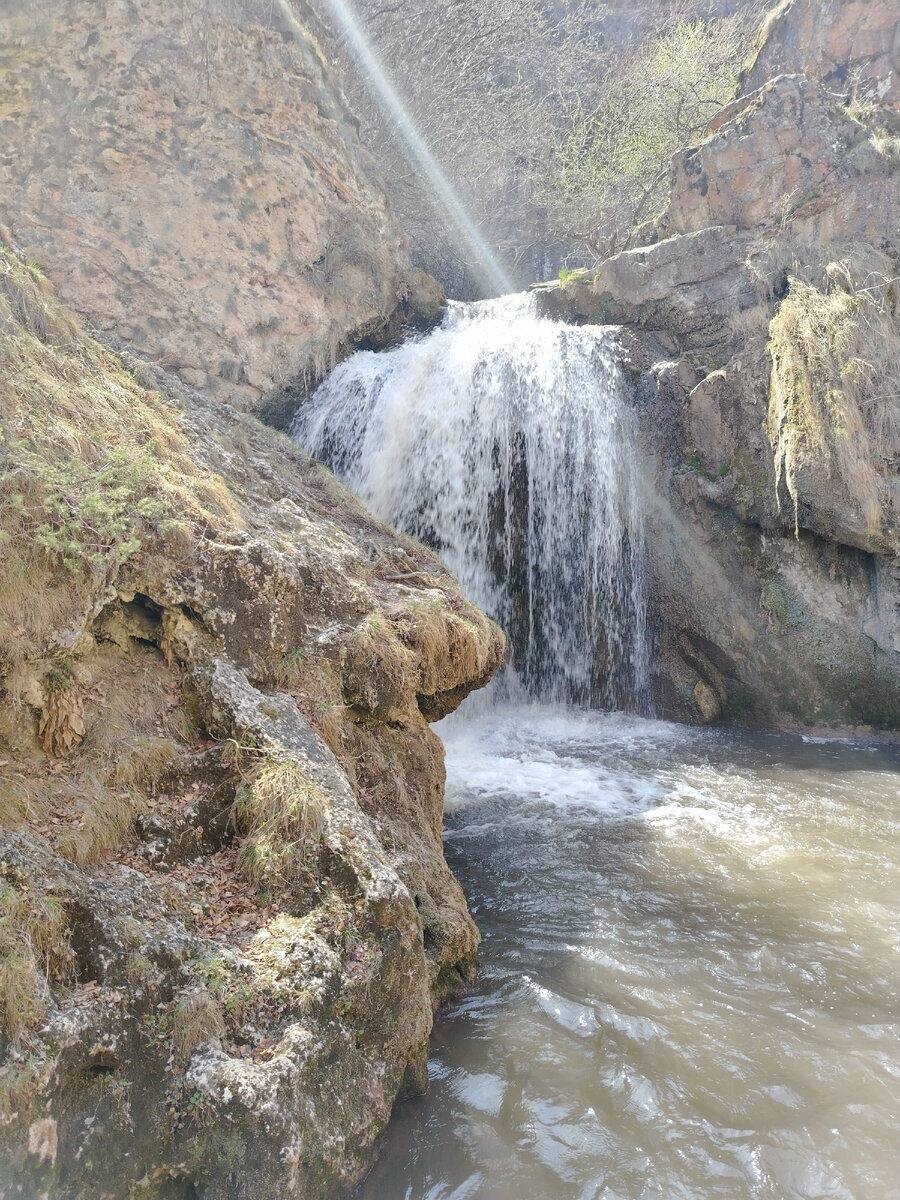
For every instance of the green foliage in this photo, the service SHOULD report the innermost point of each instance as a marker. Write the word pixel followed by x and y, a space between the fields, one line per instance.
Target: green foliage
pixel 293 662
pixel 185 1107
pixel 567 275
pixel 611 162
pixel 695 463
pixel 59 679
pixel 772 598
pixel 80 512
pixel 604 307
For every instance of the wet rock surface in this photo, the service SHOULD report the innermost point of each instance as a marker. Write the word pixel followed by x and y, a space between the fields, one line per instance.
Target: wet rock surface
pixel 771 451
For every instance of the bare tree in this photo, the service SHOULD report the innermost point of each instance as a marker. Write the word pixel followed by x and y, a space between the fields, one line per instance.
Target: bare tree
pixel 609 170
pixel 509 95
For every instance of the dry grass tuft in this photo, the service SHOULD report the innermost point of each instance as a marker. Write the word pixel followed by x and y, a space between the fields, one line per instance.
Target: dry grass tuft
pixel 33 947
pixel 450 648
pixel 835 385
pixel 29 296
pixel 887 146
pixel 316 687
pixel 102 823
pixel 770 20
pixel 214 1005
pixel 133 718
pixel 108 790
pixel 197 1019
pixel 283 814
pixel 20 799
pixel 751 325
pixel 142 762
pixel 21 1082
pixel 22 999
pixel 380 673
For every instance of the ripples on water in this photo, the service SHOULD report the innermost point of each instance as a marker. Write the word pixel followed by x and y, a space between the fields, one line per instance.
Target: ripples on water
pixel 689 969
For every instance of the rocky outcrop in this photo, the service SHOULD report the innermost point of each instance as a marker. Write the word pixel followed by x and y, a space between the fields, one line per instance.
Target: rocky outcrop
pixel 763 349
pixel 788 155
pixel 190 179
pixel 225 916
pixel 852 46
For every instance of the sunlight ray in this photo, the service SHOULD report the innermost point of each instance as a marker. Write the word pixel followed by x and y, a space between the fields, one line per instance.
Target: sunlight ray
pixel 484 265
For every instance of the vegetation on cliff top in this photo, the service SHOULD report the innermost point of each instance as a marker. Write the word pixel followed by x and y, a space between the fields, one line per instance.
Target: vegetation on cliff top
pixel 90 465
pixel 554 125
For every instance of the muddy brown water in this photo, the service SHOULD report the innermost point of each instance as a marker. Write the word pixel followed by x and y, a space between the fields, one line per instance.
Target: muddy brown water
pixel 689 982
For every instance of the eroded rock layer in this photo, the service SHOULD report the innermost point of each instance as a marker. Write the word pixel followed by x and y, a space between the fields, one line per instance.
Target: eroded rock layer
pixel 225 916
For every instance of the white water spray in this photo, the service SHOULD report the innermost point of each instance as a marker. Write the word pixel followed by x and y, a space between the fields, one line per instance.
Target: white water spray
pixel 502 439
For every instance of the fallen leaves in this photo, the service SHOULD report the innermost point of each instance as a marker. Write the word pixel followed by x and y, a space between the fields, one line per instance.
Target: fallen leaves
pixel 62 720
pixel 209 894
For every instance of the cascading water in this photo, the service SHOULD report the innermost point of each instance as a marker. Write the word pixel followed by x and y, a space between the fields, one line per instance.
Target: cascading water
pixel 503 440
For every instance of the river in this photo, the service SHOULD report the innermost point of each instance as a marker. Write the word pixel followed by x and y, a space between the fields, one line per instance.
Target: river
pixel 689 969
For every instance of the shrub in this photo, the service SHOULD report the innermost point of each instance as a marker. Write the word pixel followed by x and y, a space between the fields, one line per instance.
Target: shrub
pixel 611 161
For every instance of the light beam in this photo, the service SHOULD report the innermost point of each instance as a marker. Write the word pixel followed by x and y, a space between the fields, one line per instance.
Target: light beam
pixel 493 278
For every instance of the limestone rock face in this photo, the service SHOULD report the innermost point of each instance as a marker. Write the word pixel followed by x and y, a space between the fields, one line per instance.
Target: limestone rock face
pixel 189 177
pixel 790 153
pixel 225 914
pixel 763 343
pixel 850 45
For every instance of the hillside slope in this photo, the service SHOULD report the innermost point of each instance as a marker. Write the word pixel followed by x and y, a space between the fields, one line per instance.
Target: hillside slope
pixel 189 177
pixel 225 916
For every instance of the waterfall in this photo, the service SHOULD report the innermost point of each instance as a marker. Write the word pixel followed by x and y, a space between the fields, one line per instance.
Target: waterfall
pixel 503 440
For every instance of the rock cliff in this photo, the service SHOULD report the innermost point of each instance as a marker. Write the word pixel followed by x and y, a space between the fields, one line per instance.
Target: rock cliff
pixel 225 916
pixel 764 340
pixel 851 46
pixel 191 181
